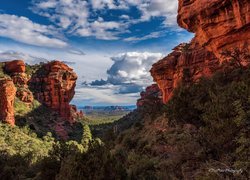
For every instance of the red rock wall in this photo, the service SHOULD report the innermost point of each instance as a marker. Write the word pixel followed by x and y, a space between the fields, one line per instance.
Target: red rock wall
pixel 54 86
pixel 187 63
pixel 7 97
pixel 218 24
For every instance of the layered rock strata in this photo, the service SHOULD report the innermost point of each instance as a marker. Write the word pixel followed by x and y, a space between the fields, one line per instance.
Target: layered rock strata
pixel 54 86
pixel 187 63
pixel 219 25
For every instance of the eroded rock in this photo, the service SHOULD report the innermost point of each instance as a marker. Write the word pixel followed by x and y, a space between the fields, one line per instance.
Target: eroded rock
pixel 219 25
pixel 7 97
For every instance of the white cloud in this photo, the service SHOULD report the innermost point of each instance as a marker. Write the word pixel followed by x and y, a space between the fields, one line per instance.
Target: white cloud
pixel 86 18
pixel 152 35
pixel 105 96
pixel 14 55
pixel 132 67
pixel 24 30
pixel 130 72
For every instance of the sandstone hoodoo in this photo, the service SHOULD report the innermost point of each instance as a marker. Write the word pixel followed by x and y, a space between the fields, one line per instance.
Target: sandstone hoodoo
pixel 7 96
pixel 187 63
pixel 219 25
pixel 54 86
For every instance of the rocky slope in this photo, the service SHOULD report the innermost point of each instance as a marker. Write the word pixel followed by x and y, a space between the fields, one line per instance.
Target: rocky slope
pixel 219 25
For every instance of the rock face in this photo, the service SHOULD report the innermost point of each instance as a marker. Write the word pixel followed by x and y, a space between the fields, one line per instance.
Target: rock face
pixel 53 85
pixel 16 69
pixel 7 96
pixel 219 25
pixel 187 63
pixel 152 95
pixel 16 66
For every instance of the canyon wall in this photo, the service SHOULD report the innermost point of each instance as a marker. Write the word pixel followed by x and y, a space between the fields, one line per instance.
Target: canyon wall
pixel 187 62
pixel 219 25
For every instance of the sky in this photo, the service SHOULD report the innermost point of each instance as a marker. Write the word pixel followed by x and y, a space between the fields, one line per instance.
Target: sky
pixel 110 44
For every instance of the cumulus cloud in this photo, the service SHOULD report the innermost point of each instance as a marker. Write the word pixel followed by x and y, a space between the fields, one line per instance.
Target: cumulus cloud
pixel 24 30
pixel 130 72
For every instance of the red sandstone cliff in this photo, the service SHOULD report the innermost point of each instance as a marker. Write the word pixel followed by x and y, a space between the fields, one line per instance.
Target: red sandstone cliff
pixel 54 86
pixel 188 62
pixel 7 96
pixel 218 24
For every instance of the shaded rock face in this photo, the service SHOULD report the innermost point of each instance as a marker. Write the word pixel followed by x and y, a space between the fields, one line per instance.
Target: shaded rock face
pixel 53 85
pixel 219 25
pixel 187 63
pixel 7 97
pixel 152 95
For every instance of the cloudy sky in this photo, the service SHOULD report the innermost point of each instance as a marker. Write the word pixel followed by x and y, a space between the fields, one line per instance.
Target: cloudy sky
pixel 111 44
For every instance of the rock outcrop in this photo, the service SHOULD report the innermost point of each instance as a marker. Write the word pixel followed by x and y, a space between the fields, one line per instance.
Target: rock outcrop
pixel 7 97
pixel 54 86
pixel 151 96
pixel 187 63
pixel 16 70
pixel 219 25
pixel 15 66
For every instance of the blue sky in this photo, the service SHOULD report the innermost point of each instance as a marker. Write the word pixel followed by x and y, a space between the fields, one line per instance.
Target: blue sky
pixel 111 44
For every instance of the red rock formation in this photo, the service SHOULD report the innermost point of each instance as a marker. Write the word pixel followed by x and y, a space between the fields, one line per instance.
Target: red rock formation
pixel 187 63
pixel 16 69
pixel 54 86
pixel 152 95
pixel 16 66
pixel 7 96
pixel 218 24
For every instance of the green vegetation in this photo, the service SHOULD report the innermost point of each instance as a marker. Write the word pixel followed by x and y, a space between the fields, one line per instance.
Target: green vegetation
pixel 2 73
pixel 22 109
pixel 23 155
pixel 203 128
pixel 31 69
pixel 102 117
